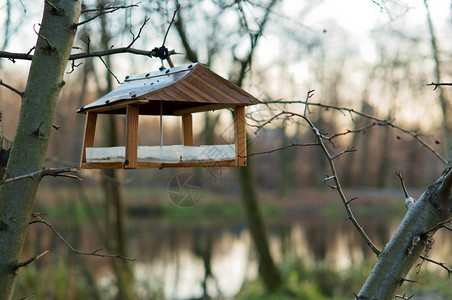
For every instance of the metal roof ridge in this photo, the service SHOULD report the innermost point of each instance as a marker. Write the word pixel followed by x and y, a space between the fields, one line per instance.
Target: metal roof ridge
pixel 170 71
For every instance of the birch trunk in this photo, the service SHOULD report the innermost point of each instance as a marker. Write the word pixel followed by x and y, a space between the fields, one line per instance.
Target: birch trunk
pixel 28 153
pixel 408 242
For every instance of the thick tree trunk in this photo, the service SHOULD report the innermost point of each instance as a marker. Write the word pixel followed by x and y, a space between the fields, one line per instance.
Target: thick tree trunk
pixel 408 242
pixel 267 269
pixel 28 153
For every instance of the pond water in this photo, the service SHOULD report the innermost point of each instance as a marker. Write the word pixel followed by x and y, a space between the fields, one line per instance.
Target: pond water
pixel 171 256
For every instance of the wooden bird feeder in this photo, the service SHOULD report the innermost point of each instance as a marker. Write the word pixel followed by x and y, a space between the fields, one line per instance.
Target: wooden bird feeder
pixel 178 91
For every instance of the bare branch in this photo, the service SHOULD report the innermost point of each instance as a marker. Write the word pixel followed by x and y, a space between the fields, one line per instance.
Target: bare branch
pixel 320 139
pixel 309 94
pixel 404 297
pixel 44 38
pixel 402 280
pixel 352 199
pixel 362 129
pixel 109 70
pixel 343 152
pixel 11 88
pixel 30 260
pixel 134 39
pixel 27 56
pixel 259 127
pixel 282 148
pixel 438 84
pixel 441 264
pixel 93 253
pixel 104 11
pixel 438 226
pixel 55 8
pixel 171 23
pixel 409 201
pixel 351 111
pixel 37 175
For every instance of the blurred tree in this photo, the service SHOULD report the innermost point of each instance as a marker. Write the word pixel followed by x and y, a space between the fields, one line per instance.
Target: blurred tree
pixel 442 97
pixel 267 268
pixel 55 38
pixel 111 183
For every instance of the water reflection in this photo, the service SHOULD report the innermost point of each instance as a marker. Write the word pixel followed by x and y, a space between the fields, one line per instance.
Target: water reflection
pixel 182 261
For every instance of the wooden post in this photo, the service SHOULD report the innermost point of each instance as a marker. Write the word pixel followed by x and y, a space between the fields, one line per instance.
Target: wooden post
pixel 131 137
pixel 187 127
pixel 88 137
pixel 240 135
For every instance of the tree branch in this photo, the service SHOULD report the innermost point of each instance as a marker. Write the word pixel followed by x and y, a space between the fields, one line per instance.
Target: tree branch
pixel 28 56
pixel 438 226
pixel 438 84
pixel 320 141
pixel 171 23
pixel 44 172
pixel 109 70
pixel 135 38
pixel 382 122
pixel 282 148
pixel 11 88
pixel 103 11
pixel 93 253
pixel 441 264
pixel 30 260
pixel 339 187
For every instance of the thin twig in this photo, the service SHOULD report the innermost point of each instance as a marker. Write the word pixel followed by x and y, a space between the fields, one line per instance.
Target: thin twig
pixel 135 38
pixel 171 23
pixel 438 226
pixel 441 264
pixel 37 175
pixel 439 84
pixel 103 11
pixel 259 127
pixel 402 183
pixel 30 260
pixel 339 188
pixel 407 280
pixel 343 152
pixel 282 148
pixel 44 38
pixel 359 130
pixel 109 70
pixel 320 140
pixel 351 111
pixel 309 94
pixel 404 297
pixel 93 253
pixel 27 56
pixel 11 88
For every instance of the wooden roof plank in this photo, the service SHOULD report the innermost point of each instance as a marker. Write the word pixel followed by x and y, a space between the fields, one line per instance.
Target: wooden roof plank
pixel 191 85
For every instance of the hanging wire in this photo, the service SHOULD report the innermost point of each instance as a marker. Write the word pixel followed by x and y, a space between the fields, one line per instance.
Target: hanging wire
pixel 161 124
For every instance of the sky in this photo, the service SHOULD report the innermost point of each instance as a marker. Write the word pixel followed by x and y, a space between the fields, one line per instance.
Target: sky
pixel 360 19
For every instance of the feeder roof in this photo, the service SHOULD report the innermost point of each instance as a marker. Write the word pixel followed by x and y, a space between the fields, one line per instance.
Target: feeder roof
pixel 174 91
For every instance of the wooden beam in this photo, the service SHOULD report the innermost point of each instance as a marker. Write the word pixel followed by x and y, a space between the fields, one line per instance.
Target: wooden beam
pixel 240 135
pixel 88 136
pixel 187 127
pixel 144 165
pixel 131 137
pixel 200 108
pixel 116 105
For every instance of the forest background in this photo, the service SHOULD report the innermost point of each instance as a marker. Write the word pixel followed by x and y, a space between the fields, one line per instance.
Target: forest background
pixel 374 57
